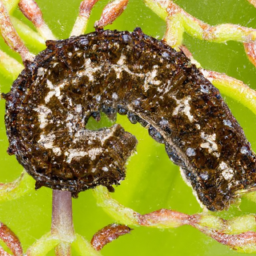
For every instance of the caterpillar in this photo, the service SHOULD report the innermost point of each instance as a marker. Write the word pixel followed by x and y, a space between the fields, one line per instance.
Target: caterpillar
pixel 135 75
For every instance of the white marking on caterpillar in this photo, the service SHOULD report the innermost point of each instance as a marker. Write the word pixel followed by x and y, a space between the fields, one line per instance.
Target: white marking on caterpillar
pixel 114 96
pixel 190 152
pixel 57 151
pixel 244 150
pixel 105 169
pixel 54 90
pixel 43 112
pixel 204 88
pixel 227 123
pixel 47 141
pixel 79 108
pixel 198 127
pixel 183 107
pixel 122 59
pixel 78 153
pixel 89 70
pixel 150 78
pixel 227 172
pixel 210 143
pixel 41 71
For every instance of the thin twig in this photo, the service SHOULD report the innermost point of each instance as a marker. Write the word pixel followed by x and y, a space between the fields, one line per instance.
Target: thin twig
pixel 62 222
pixel 111 12
pixel 11 37
pixel 108 234
pixel 11 240
pixel 83 17
pixel 238 233
pixel 179 21
pixel 253 2
pixel 31 10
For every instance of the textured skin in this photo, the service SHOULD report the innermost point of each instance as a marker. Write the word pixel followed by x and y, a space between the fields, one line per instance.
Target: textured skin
pixel 133 74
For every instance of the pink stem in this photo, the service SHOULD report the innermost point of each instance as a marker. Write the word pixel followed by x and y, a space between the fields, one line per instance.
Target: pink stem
pixel 11 240
pixel 62 222
pixel 108 234
pixel 11 37
pixel 166 217
pixel 111 12
pixel 250 49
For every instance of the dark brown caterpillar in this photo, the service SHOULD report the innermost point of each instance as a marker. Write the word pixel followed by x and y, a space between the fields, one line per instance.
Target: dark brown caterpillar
pixel 134 74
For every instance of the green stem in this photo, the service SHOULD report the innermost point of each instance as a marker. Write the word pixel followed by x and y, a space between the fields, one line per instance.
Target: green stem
pixel 13 190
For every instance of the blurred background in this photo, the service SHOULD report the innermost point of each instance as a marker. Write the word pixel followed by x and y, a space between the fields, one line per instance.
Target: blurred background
pixel 152 182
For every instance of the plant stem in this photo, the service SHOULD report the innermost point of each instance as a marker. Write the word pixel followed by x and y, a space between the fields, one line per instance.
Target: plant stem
pixel 62 222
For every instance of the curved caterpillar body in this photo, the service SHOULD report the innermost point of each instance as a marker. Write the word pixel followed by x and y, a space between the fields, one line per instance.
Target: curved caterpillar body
pixel 126 73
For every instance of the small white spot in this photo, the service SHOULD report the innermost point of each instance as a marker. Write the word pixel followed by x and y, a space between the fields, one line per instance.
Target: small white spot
pixel 198 127
pixel 105 169
pixel 204 88
pixel 210 143
pixel 116 45
pixel 79 108
pixel 227 123
pixel 190 152
pixel 114 96
pixel 98 97
pixel 216 154
pixel 40 71
pixel 244 150
pixel 227 172
pixel 136 102
pixel 165 54
pixel 204 176
pixel 56 151
pixel 69 117
pixel 164 122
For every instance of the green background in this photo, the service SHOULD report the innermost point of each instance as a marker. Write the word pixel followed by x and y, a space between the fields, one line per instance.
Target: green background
pixel 152 182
